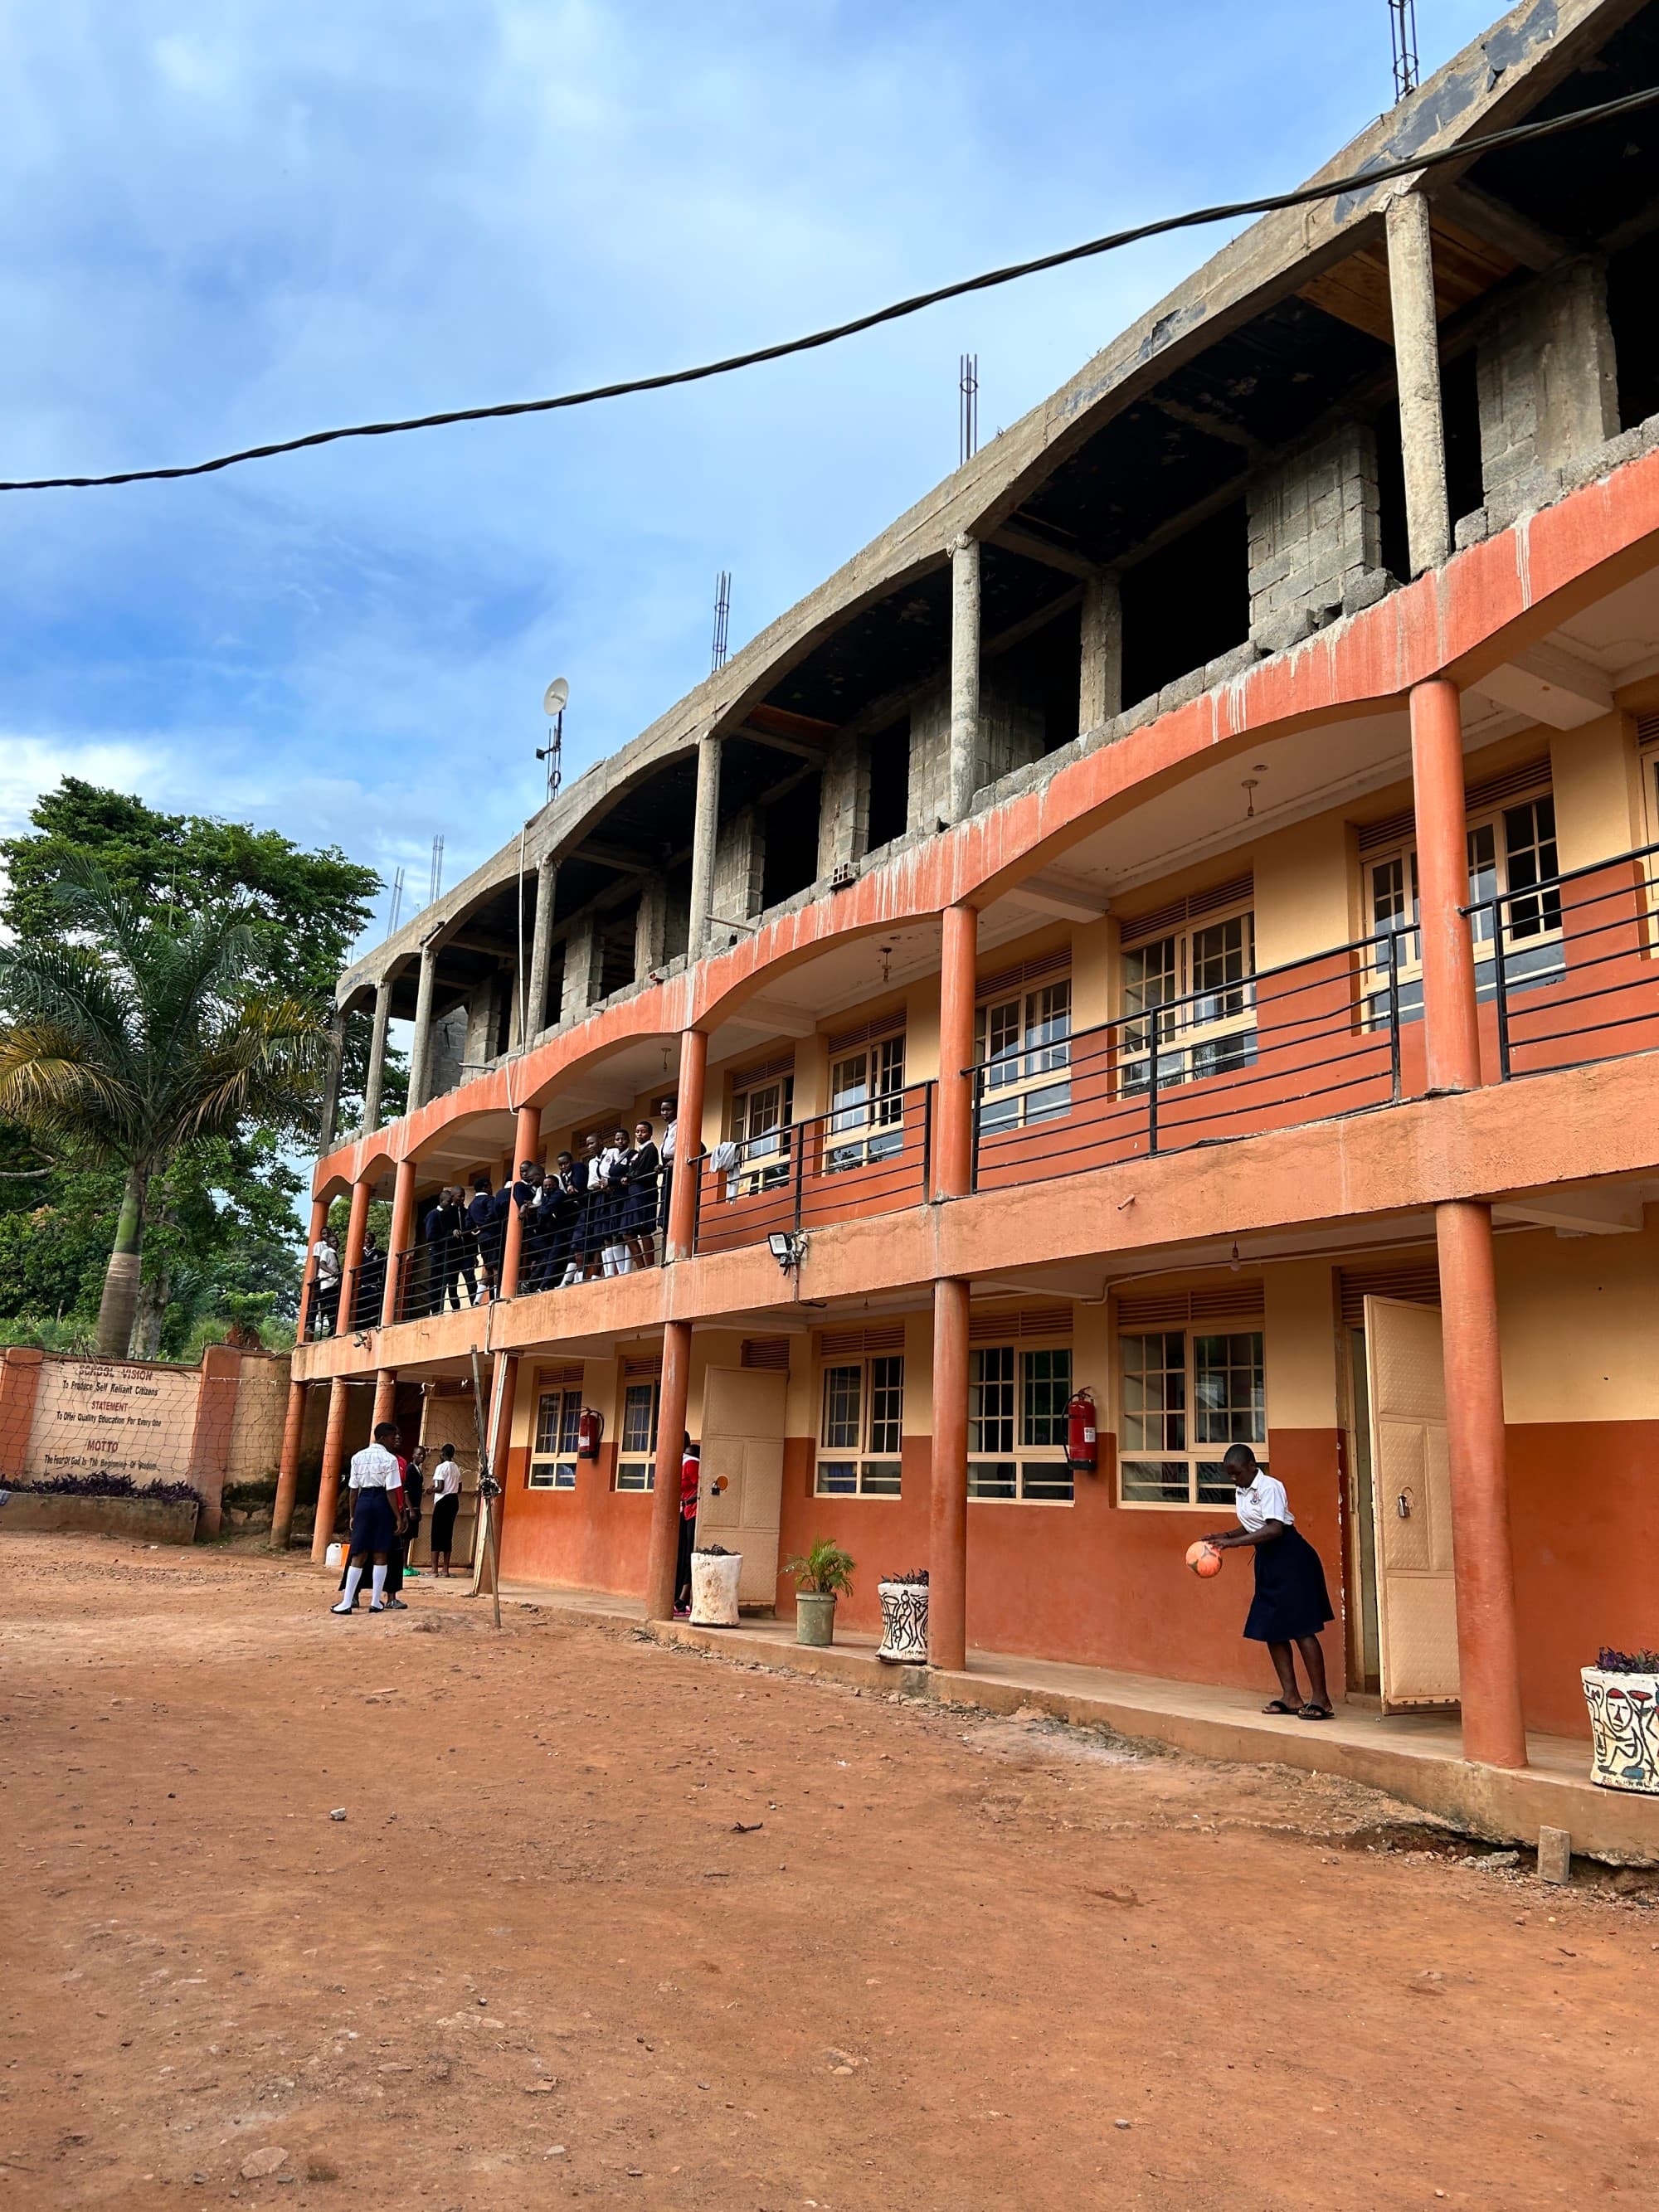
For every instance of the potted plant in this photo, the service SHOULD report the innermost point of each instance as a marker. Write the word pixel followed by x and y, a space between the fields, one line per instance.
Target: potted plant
pixel 1622 1692
pixel 903 1619
pixel 821 1573
pixel 714 1577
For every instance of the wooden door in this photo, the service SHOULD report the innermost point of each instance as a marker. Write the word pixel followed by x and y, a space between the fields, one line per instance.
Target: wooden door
pixel 742 1490
pixel 1411 1495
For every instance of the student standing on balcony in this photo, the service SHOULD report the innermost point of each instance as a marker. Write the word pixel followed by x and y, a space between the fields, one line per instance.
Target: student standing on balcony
pixel 590 1233
pixel 1291 1604
pixel 667 1110
pixel 325 1284
pixel 485 1229
pixel 613 1187
pixel 640 1217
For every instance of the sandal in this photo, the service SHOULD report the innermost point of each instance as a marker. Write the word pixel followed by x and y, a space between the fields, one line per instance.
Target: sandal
pixel 1278 1705
pixel 1312 1712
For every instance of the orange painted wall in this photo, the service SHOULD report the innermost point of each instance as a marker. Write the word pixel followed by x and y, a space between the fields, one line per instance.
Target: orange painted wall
pixel 592 1537
pixel 1096 1583
pixel 1584 1528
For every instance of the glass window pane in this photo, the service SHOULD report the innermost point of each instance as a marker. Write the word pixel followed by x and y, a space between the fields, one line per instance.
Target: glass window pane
pixel 886 1404
pixel 842 1428
pixel 991 1399
pixel 881 1477
pixel 1048 1385
pixel 1229 1390
pixel 1043 1482
pixel 1216 1486
pixel 991 1479
pixel 1155 1392
pixel 838 1478
pixel 639 1409
pixel 570 1422
pixel 548 1408
pixel 1155 1481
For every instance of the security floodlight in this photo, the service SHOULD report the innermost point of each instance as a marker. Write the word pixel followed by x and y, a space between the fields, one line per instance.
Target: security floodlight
pixel 788 1248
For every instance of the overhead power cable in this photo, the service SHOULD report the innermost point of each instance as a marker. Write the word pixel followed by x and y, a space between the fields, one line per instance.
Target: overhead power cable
pixel 1363 181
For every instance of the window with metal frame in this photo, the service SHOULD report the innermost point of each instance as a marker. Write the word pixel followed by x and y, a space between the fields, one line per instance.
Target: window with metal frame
pixel 1193 992
pixel 553 1452
pixel 637 1444
pixel 1187 1394
pixel 1017 1402
pixel 762 1107
pixel 1022 1043
pixel 867 1106
pixel 860 1428
pixel 1510 849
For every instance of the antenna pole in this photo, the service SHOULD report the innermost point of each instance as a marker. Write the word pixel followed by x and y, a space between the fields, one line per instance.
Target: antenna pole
pixel 1402 24
pixel 722 619
pixel 968 407
pixel 437 870
pixel 397 902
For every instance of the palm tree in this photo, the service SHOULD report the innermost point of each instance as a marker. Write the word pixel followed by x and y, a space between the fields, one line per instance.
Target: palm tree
pixel 133 1036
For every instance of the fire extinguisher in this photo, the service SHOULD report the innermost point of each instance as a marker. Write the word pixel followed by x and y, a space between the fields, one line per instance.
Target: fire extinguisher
pixel 1082 1444
pixel 589 1428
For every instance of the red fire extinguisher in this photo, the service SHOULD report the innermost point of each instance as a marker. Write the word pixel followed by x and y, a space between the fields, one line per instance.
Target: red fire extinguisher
pixel 589 1428
pixel 1082 1444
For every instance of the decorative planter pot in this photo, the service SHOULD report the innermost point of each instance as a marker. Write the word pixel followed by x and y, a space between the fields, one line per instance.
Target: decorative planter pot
pixel 903 1624
pixel 815 1618
pixel 1624 1718
pixel 714 1588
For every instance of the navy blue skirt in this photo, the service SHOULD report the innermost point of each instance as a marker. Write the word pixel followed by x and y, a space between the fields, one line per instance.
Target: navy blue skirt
pixel 373 1523
pixel 1291 1598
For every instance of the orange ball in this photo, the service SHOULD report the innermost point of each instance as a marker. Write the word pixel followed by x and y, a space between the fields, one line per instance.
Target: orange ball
pixel 1204 1559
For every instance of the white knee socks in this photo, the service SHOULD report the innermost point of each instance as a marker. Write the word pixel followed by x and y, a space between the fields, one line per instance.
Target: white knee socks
pixel 379 1586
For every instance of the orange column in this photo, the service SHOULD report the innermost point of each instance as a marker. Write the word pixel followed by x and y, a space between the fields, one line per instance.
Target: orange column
pixel 529 1146
pixel 328 1489
pixel 947 1511
pixel 352 1258
pixel 1488 1642
pixel 665 1490
pixel 288 1471
pixel 1450 1037
pixel 688 1141
pixel 307 1280
pixel 953 1133
pixel 398 1244
pixel 385 1398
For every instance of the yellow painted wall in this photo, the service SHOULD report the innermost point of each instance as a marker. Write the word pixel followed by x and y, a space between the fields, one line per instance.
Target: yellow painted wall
pixel 1594 773
pixel 1579 1321
pixel 1304 897
pixel 1300 1345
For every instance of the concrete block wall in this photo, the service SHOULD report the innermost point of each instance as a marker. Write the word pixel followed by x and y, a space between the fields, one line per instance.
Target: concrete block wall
pixel 1548 386
pixel 448 1051
pixel 1315 533
pixel 483 1015
pixel 739 856
pixel 581 954
pixel 844 808
pixel 1012 731
pixel 1011 734
pixel 930 758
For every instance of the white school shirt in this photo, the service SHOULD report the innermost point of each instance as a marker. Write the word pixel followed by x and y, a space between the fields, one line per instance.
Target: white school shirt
pixel 666 1142
pixel 328 1261
pixel 376 1468
pixel 446 1479
pixel 1263 1501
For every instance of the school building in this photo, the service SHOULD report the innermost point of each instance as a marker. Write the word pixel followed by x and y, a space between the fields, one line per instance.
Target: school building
pixel 1175 918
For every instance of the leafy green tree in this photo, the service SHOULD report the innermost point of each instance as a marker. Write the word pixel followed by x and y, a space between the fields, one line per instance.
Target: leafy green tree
pixel 129 1035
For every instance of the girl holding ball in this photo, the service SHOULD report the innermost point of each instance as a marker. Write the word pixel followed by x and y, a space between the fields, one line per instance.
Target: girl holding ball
pixel 1291 1604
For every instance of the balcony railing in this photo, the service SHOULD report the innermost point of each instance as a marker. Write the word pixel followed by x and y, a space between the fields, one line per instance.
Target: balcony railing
pixel 1315 1038
pixel 1579 980
pixel 869 1157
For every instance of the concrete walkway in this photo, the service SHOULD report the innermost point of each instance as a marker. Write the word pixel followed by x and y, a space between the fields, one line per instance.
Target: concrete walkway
pixel 1417 1758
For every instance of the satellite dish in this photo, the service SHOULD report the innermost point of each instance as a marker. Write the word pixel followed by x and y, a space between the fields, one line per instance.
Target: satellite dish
pixel 556 698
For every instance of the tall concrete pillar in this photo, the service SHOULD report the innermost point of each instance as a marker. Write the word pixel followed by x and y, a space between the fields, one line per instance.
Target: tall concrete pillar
pixel 1100 675
pixel 1417 371
pixel 288 1468
pixel 529 1135
pixel 399 1243
pixel 308 1278
pixel 541 948
pixel 705 830
pixel 666 1492
pixel 947 1496
pixel 328 1488
pixel 420 1048
pixel 328 1118
pixel 953 1130
pixel 351 1259
pixel 964 676
pixel 651 926
pixel 579 965
pixel 687 1144
pixel 385 1398
pixel 1451 1038
pixel 377 1055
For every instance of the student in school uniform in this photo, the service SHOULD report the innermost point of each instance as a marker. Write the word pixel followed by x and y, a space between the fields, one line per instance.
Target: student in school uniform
pixel 445 1504
pixel 639 1209
pixel 377 1501
pixel 690 1486
pixel 1291 1605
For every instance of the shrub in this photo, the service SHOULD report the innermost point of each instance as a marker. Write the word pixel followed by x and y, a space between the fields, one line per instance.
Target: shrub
pixel 1627 1662
pixel 102 1485
pixel 823 1571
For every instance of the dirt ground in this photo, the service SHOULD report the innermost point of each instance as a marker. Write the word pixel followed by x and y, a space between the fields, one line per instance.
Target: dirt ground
pixel 614 1924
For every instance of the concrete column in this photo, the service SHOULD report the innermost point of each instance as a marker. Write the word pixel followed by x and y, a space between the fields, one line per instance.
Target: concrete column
pixel 1488 1643
pixel 953 1124
pixel 309 1279
pixel 529 1134
pixel 1451 1038
pixel 964 676
pixel 666 1492
pixel 687 1144
pixel 20 1383
pixel 577 994
pixel 329 1113
pixel 385 1398
pixel 420 1049
pixel 399 1243
pixel 541 948
pixel 328 1488
pixel 705 830
pixel 377 1055
pixel 1416 371
pixel 288 1468
pixel 1100 685
pixel 352 1258
pixel 947 1499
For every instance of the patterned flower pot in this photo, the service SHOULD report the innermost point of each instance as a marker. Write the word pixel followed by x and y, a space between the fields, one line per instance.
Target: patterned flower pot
pixel 1623 1717
pixel 815 1618
pixel 714 1588
pixel 903 1624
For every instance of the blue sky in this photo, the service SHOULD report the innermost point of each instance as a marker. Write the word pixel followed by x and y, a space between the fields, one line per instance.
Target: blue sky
pixel 227 224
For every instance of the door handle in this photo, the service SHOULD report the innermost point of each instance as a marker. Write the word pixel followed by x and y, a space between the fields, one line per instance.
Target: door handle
pixel 1403 1505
